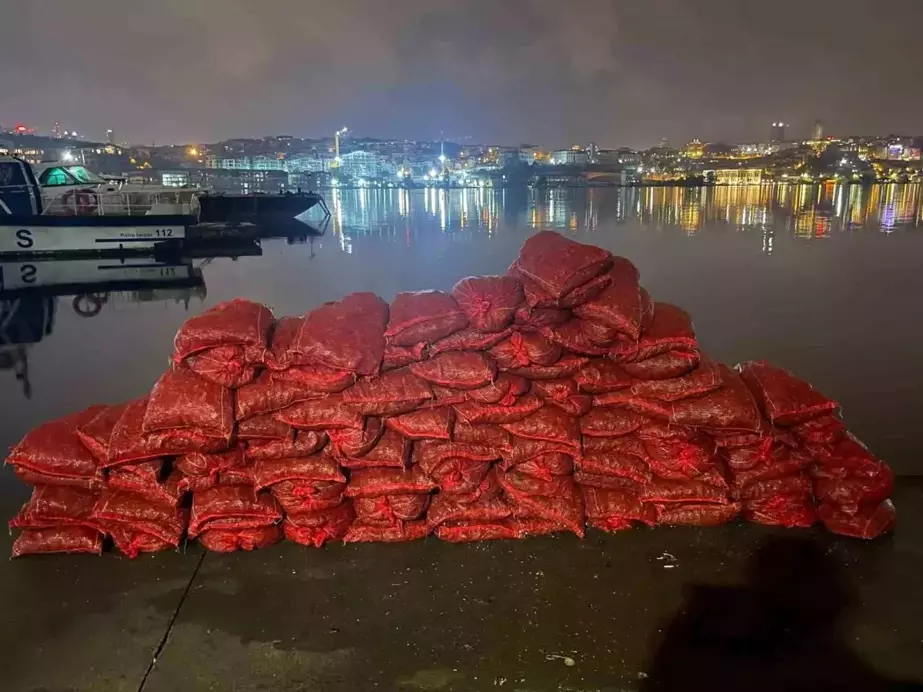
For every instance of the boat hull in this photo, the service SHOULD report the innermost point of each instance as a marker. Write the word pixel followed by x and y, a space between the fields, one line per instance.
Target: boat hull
pixel 50 235
pixel 254 208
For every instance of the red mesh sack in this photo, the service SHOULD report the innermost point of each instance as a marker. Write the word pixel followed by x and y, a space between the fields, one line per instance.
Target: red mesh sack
pixel 573 336
pixel 434 424
pixel 522 450
pixel 763 490
pixel 468 339
pixel 488 435
pixel 140 514
pixel 346 335
pixel 609 509
pixel 225 366
pixel 557 264
pixel 523 349
pixel 547 466
pixel 677 459
pixel 599 334
pixel 237 322
pixel 781 463
pixel 601 376
pixel 550 424
pixel 823 430
pixel 232 507
pixel 625 444
pixel 51 506
pixel 847 451
pixel 221 343
pixel 489 302
pixel 665 366
pixel 704 379
pixel 241 475
pixel 565 508
pixel 319 467
pixel 396 533
pixel 423 316
pixel 128 443
pixel 301 497
pixel 469 531
pixel 60 539
pixel 505 390
pixel 283 334
pixel 626 399
pixel 516 483
pixel 319 527
pixel 746 458
pixel 563 393
pixel 396 391
pixel 614 464
pixel 783 398
pixel 853 492
pixel 446 396
pixel 540 317
pixel 391 451
pixel 96 433
pixel 536 297
pixel 459 370
pixel 194 484
pixel 730 408
pixel 670 330
pixel 55 451
pixel 592 480
pixel 429 454
pixel 201 464
pixel 182 400
pixel 399 356
pixel 301 444
pixel 472 413
pixel 231 540
pixel 619 304
pixel 349 442
pixel 662 491
pixel 458 475
pixel 264 427
pixel 445 508
pixel 383 481
pixel 789 511
pixel 131 542
pixel 390 509
pixel 143 479
pixel 318 379
pixel 568 365
pixel 488 489
pixel 610 422
pixel 870 522
pixel 322 414
pixel 697 514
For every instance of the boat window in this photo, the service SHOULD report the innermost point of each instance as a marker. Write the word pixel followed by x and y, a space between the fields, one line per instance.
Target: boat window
pixel 83 175
pixel 56 176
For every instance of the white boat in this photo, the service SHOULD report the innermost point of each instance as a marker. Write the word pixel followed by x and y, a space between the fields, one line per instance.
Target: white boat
pixel 91 218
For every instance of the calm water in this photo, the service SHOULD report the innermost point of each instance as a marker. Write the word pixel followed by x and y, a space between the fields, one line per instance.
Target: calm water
pixel 825 281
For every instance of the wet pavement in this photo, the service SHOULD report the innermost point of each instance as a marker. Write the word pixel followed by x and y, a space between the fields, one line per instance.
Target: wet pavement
pixel 607 613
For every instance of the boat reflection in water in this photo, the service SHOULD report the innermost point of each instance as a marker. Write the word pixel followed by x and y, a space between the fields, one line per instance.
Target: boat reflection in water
pixel 33 292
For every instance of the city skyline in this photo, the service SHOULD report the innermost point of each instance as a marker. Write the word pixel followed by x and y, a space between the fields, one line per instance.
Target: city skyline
pixel 620 73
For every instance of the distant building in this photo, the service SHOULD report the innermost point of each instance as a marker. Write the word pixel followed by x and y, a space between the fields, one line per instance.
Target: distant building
pixel 737 176
pixel 365 164
pixel 569 157
pixel 110 137
pixel 694 150
pixel 777 133
pixel 817 133
pixel 529 154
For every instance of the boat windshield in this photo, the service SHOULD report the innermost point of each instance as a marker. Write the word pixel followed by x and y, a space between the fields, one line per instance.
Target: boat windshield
pixel 84 176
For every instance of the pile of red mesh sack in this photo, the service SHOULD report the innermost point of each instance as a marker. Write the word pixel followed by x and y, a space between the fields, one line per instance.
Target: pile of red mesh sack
pixel 557 397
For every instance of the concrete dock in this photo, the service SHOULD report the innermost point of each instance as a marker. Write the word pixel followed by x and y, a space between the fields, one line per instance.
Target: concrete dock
pixel 641 610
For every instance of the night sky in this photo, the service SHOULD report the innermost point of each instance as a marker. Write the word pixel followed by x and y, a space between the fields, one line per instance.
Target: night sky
pixel 551 72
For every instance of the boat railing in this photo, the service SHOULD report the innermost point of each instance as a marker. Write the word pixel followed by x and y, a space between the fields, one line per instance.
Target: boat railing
pixel 124 203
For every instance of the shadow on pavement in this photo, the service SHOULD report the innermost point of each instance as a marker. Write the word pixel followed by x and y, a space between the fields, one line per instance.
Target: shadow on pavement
pixel 779 631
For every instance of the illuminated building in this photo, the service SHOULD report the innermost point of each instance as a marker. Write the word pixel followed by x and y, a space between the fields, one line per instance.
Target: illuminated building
pixel 737 176
pixel 110 137
pixel 694 150
pixel 817 133
pixel 56 130
pixel 777 133
pixel 569 157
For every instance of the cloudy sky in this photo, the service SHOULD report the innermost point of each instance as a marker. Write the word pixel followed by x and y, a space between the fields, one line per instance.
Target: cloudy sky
pixel 617 72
